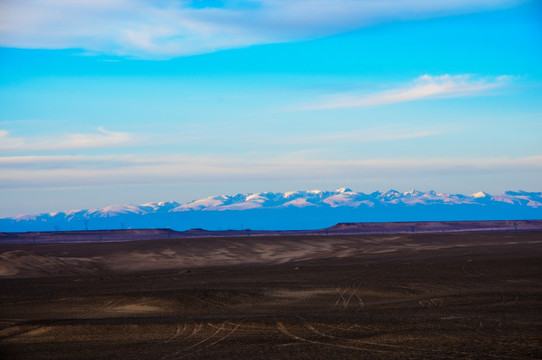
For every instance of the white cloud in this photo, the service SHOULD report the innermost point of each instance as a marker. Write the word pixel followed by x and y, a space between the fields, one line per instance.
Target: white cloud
pixel 424 87
pixel 384 133
pixel 170 28
pixel 103 138
pixel 348 135
pixel 55 171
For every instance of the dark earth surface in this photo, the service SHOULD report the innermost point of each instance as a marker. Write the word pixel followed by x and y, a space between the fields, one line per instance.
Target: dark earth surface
pixel 418 296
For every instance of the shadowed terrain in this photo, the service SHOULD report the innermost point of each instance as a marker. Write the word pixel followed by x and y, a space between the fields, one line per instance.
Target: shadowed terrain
pixel 356 228
pixel 422 296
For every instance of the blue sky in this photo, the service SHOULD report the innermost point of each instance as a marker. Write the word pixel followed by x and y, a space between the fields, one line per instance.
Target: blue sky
pixel 126 101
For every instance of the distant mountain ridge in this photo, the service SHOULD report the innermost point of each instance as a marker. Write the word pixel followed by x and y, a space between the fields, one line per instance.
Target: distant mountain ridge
pixel 313 209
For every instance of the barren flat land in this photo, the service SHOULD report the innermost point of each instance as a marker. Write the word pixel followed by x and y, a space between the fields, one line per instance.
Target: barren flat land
pixel 469 295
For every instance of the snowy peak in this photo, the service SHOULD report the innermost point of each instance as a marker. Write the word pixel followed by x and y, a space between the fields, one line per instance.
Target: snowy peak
pixel 115 210
pixel 345 197
pixel 480 194
pixel 343 190
pixel 412 193
pixel 340 198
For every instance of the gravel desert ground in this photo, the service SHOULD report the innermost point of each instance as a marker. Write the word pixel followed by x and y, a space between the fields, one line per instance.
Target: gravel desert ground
pixel 421 296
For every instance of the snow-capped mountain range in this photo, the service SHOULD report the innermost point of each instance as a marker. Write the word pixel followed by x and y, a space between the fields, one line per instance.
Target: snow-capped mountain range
pixel 313 209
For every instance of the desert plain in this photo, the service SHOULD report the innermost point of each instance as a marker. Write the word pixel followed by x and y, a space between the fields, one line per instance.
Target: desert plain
pixel 468 295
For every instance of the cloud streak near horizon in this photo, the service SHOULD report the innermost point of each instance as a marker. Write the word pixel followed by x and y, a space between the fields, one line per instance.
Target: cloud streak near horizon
pixel 104 170
pixel 169 28
pixel 424 87
pixel 103 139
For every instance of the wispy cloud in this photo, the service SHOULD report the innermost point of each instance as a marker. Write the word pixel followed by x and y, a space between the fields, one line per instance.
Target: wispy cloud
pixel 54 171
pixel 424 87
pixel 170 28
pixel 368 135
pixel 101 139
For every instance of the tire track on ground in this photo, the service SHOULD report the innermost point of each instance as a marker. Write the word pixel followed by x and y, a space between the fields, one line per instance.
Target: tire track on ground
pixel 178 332
pixel 282 329
pixel 311 328
pixel 207 341
pixel 93 312
pixel 346 294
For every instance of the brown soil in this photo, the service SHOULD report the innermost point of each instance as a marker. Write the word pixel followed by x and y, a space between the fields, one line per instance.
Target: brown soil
pixel 419 296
